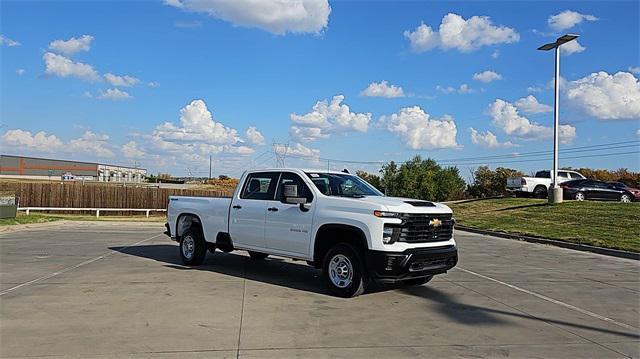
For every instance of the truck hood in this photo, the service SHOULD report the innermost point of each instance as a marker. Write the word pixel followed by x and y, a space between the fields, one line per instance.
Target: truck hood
pixel 407 205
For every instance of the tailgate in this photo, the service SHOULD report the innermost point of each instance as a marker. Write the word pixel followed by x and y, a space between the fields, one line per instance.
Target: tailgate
pixel 514 182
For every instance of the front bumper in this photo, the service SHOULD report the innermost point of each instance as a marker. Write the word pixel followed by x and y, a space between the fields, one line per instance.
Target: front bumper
pixel 392 267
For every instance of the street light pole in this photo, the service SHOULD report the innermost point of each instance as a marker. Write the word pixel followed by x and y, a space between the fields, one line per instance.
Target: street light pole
pixel 555 195
pixel 556 129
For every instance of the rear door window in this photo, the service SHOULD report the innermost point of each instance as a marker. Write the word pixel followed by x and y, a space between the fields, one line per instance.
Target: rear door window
pixel 575 175
pixel 260 185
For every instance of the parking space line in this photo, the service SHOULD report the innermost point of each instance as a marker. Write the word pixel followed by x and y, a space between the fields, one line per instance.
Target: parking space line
pixel 551 300
pixel 67 269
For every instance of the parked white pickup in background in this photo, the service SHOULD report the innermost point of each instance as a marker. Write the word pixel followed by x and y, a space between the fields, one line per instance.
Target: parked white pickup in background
pixel 538 186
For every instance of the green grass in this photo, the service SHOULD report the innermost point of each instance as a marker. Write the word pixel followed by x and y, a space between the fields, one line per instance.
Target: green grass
pixel 43 218
pixel 603 224
pixel 22 219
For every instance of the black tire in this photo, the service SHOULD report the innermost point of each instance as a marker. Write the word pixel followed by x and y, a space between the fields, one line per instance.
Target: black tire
pixel 257 256
pixel 418 281
pixel 625 197
pixel 355 281
pixel 540 192
pixel 193 255
pixel 579 196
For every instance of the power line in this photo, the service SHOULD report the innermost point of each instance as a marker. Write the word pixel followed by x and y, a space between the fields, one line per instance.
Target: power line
pixel 598 147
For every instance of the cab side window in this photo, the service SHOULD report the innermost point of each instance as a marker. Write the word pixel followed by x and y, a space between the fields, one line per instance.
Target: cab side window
pixel 260 185
pixel 289 178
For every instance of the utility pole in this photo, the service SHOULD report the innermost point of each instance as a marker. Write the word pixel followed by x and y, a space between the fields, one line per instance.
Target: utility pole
pixel 280 155
pixel 555 192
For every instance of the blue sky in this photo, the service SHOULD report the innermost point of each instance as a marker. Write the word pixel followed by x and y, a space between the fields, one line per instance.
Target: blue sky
pixel 124 82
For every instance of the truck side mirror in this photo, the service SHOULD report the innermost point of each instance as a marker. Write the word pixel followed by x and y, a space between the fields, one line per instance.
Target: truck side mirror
pixel 290 194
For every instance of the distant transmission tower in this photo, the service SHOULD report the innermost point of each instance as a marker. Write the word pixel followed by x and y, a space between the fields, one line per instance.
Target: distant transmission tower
pixel 280 151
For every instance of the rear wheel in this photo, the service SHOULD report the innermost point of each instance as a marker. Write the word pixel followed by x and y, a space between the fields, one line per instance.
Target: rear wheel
pixel 258 256
pixel 579 196
pixel 540 192
pixel 625 198
pixel 418 281
pixel 344 271
pixel 193 247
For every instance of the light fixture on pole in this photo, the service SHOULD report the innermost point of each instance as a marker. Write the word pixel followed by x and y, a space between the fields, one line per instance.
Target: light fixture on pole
pixel 555 190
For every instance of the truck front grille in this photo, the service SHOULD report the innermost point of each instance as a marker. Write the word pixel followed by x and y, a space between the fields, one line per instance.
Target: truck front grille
pixel 420 228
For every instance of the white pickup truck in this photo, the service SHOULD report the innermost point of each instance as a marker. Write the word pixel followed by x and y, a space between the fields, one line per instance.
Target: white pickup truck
pixel 333 220
pixel 538 186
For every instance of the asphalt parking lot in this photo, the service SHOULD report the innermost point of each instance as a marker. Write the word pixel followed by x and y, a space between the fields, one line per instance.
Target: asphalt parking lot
pixel 118 290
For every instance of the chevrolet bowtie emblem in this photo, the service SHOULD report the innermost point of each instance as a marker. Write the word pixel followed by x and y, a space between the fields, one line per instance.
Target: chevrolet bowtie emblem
pixel 435 222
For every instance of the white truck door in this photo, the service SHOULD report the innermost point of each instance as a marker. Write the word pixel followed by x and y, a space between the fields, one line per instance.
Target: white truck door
pixel 288 226
pixel 249 208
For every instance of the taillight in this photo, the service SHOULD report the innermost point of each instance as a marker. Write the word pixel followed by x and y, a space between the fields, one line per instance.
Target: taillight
pixel 523 181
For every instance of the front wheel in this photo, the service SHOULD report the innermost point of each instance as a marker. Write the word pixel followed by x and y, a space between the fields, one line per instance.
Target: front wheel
pixel 580 196
pixel 344 271
pixel 625 198
pixel 193 247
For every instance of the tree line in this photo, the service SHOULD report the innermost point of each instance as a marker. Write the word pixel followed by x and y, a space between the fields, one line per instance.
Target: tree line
pixel 426 179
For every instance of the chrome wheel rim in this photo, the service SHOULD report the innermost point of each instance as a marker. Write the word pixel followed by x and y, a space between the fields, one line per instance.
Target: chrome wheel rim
pixel 579 197
pixel 340 271
pixel 188 247
pixel 625 199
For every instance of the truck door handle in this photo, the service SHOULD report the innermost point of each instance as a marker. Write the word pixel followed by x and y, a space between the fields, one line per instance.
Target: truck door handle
pixel 272 209
pixel 237 207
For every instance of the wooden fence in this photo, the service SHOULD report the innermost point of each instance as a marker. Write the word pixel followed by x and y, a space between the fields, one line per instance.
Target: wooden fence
pixel 76 195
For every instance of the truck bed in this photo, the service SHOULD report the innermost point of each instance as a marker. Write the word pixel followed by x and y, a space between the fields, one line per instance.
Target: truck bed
pixel 212 211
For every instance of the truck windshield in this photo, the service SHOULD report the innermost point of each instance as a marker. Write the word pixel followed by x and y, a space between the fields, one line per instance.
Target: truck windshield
pixel 343 185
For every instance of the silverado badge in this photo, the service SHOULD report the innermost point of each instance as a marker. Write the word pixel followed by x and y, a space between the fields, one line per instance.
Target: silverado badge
pixel 435 222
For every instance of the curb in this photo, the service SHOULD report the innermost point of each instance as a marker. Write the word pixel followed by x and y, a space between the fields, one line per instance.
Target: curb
pixel 575 246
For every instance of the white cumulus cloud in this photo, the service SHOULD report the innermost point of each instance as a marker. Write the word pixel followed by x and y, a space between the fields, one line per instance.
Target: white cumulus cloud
pixel 58 65
pixel 20 72
pixel 297 149
pixel 634 70
pixel 254 136
pixel 88 143
pixel 131 150
pixel 568 19
pixel 572 47
pixel 5 41
pixel 383 89
pixel 505 116
pixel 487 76
pixel 197 125
pixel 419 131
pixel 606 96
pixel 457 33
pixel 25 140
pixel 121 81
pixel 463 89
pixel 327 117
pixel 531 105
pixel 275 16
pixel 71 46
pixel 115 95
pixel 487 139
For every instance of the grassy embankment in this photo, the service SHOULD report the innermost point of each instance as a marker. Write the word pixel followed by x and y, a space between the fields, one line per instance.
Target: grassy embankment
pixel 603 224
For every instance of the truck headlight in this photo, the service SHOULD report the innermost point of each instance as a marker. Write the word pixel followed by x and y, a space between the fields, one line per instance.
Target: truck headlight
pixel 383 214
pixel 390 234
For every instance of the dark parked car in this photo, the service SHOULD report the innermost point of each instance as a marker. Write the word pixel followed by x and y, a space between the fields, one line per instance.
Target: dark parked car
pixel 581 190
pixel 634 191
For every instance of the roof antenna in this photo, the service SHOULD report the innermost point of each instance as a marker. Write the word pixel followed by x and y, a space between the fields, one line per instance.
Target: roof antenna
pixel 345 171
